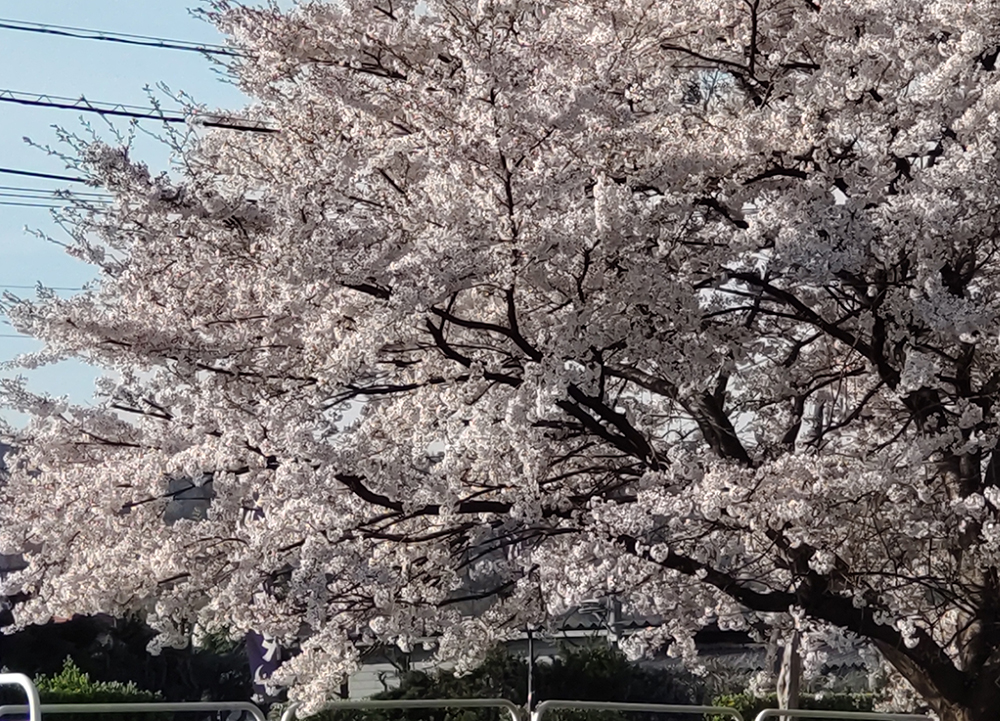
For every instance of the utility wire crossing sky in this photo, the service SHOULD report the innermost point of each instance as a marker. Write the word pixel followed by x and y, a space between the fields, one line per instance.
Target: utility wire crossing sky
pixel 123 110
pixel 113 37
pixel 47 51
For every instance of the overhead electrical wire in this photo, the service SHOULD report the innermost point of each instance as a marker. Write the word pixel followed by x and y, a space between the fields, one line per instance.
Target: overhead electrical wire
pixel 55 199
pixel 14 196
pixel 51 206
pixel 57 196
pixel 52 191
pixel 47 287
pixel 115 109
pixel 131 111
pixel 122 38
pixel 14 201
pixel 44 203
pixel 46 176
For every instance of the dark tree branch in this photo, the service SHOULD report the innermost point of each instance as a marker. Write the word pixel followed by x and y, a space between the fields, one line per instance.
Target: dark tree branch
pixel 637 442
pixel 449 351
pixel 925 660
pixel 370 289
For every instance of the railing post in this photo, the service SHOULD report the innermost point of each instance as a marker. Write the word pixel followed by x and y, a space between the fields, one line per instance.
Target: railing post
pixel 839 715
pixel 34 703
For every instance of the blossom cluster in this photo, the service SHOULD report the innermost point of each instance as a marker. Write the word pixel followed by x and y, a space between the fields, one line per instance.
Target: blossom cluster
pixel 690 304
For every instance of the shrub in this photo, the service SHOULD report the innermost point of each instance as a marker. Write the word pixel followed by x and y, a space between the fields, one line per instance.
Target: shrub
pixel 71 685
pixel 749 705
pixel 592 673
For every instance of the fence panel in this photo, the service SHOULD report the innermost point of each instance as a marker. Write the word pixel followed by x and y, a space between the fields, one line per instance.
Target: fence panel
pixel 512 710
pixel 145 707
pixel 544 706
pixel 840 715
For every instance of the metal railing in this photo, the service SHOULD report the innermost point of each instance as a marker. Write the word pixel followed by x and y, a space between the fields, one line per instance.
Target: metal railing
pixel 146 707
pixel 35 709
pixel 841 715
pixel 512 710
pixel 544 706
pixel 34 704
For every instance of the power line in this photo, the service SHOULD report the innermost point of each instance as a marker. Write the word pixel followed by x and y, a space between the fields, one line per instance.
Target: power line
pixel 10 192
pixel 48 176
pixel 51 206
pixel 127 111
pixel 82 102
pixel 13 196
pixel 113 37
pixel 47 287
pixel 50 191
pixel 55 198
pixel 48 206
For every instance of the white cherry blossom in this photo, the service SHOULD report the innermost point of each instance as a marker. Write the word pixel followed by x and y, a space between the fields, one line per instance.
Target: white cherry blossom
pixel 693 304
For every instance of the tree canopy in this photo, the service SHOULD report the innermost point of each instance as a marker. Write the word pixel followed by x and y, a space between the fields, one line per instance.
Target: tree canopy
pixel 523 303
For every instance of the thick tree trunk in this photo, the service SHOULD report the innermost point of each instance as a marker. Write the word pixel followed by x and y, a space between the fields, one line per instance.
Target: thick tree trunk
pixel 977 699
pixel 790 675
pixel 978 707
pixel 952 713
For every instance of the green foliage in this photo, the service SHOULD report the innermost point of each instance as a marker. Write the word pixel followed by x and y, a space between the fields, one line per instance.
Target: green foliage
pixel 71 685
pixel 749 706
pixel 594 673
pixel 114 649
pixel 602 673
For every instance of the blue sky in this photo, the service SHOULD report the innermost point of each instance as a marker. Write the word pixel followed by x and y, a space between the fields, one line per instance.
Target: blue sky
pixel 101 71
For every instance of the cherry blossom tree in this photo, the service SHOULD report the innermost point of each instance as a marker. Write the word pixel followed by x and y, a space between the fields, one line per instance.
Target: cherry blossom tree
pixel 690 303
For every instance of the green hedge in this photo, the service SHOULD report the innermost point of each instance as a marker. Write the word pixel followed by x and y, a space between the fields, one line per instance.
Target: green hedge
pixel 749 706
pixel 71 685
